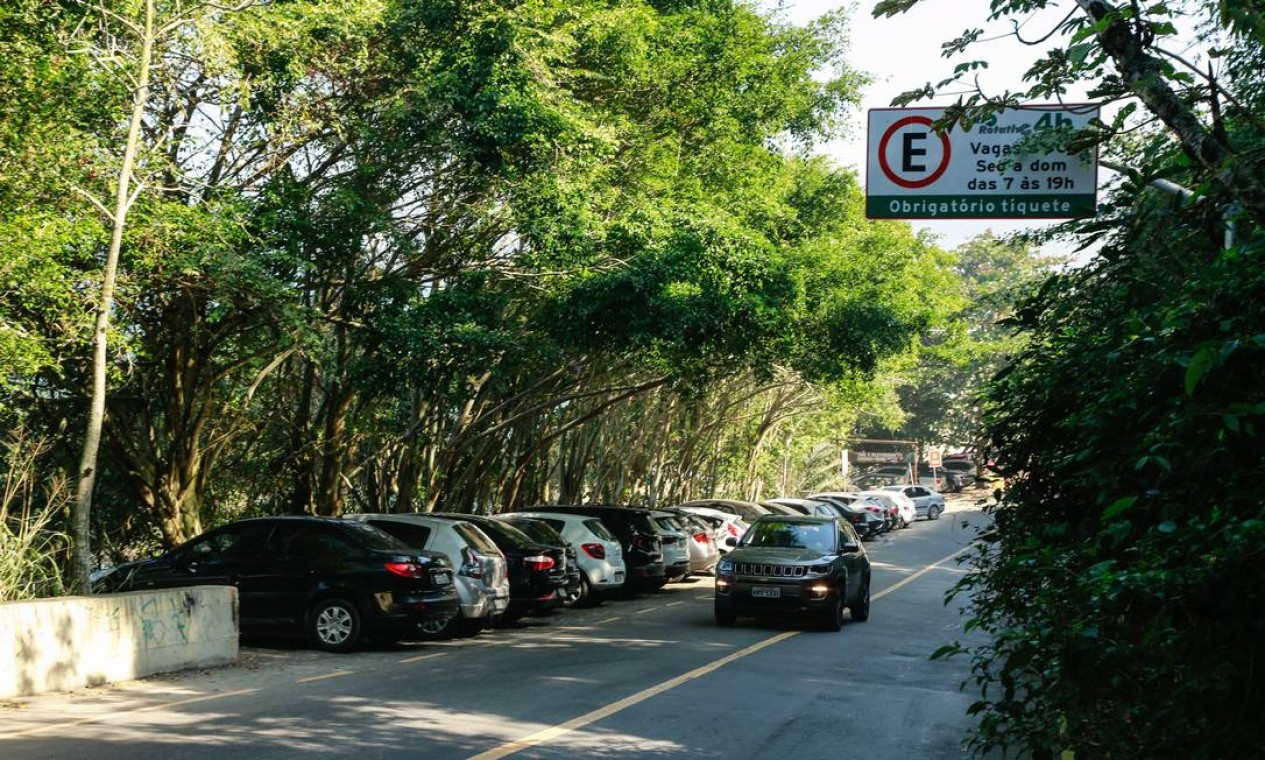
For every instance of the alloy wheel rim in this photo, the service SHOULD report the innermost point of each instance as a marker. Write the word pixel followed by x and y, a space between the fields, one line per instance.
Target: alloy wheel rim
pixel 334 625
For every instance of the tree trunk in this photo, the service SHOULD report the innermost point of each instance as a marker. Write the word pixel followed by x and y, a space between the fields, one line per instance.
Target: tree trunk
pixel 81 560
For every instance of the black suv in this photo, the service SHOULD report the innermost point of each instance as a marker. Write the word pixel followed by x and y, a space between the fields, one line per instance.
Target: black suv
pixel 333 579
pixel 795 565
pixel 638 536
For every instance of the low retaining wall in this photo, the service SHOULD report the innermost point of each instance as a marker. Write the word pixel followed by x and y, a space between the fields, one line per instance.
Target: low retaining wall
pixel 77 641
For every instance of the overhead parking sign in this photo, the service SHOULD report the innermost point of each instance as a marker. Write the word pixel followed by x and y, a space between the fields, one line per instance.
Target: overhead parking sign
pixel 985 172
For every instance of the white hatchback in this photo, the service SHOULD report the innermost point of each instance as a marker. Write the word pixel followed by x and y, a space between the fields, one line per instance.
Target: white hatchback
pixel 597 551
pixel 907 511
pixel 482 577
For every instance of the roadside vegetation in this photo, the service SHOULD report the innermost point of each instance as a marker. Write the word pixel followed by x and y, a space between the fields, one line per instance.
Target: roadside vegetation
pixel 1122 583
pixel 311 256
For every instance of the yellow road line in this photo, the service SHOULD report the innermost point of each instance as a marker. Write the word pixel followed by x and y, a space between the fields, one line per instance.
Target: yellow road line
pixel 421 657
pixel 919 574
pixel 107 716
pixel 540 737
pixel 548 734
pixel 326 676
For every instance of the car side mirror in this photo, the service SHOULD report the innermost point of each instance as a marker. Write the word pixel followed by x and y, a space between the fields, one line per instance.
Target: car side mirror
pixel 850 547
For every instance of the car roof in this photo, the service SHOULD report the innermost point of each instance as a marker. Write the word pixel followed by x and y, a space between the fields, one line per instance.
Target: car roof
pixel 796 518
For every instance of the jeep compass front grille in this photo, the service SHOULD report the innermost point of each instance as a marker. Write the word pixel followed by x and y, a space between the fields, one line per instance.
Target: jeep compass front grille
pixel 770 571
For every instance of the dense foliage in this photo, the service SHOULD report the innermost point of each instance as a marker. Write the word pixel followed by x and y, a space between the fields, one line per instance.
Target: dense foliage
pixel 434 253
pixel 1122 582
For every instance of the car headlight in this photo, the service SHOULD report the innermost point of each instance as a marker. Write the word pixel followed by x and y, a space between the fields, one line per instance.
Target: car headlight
pixel 725 566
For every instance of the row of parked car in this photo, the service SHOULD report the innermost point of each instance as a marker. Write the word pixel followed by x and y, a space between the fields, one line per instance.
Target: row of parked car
pixel 414 576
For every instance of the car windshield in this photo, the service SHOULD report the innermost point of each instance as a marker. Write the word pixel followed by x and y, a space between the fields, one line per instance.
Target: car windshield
pixel 791 535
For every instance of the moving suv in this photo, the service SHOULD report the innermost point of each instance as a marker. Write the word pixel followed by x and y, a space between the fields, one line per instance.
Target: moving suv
pixel 334 580
pixel 814 566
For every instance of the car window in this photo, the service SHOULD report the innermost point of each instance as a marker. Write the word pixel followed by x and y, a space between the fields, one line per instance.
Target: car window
pixel 599 529
pixel 791 535
pixel 476 538
pixel 316 544
pixel 234 541
pixel 368 536
pixel 537 531
pixel 412 534
pixel 511 536
pixel 557 525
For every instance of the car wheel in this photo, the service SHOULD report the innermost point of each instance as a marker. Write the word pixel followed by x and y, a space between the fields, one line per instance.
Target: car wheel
pixel 933 512
pixel 861 610
pixel 584 597
pixel 833 619
pixel 725 619
pixel 334 625
pixel 438 630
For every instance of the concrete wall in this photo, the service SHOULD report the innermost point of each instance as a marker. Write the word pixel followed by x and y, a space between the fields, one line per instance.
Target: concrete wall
pixel 71 642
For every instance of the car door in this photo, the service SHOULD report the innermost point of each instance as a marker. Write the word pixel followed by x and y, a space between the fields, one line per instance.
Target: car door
pixel 312 557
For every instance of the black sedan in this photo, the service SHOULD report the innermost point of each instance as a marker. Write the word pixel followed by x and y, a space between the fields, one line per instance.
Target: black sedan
pixel 333 580
pixel 811 566
pixel 543 533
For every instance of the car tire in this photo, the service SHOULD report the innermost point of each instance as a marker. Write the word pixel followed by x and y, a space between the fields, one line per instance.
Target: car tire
pixel 933 512
pixel 584 598
pixel 833 619
pixel 861 610
pixel 334 625
pixel 436 630
pixel 725 619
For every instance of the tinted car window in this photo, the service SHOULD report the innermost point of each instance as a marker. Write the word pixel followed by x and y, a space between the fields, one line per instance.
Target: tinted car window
pixel 319 546
pixel 476 538
pixel 507 533
pixel 372 538
pixel 599 529
pixel 410 533
pixel 792 535
pixel 539 532
pixel 238 540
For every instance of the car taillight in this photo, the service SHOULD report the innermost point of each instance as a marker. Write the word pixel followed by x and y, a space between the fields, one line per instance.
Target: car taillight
pixel 700 537
pixel 407 569
pixel 596 551
pixel 733 529
pixel 875 510
pixel 538 562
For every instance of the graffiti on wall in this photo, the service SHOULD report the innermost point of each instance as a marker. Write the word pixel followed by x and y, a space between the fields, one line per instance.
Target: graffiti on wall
pixel 165 618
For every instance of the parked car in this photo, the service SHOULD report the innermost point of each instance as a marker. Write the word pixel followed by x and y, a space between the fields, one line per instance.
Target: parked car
pixel 805 506
pixel 333 580
pixel 726 527
pixel 813 566
pixel 897 502
pixel 600 557
pixel 482 576
pixel 927 503
pixel 638 537
pixel 747 510
pixel 774 507
pixel 544 533
pixel 867 523
pixel 674 539
pixel 538 573
pixel 699 539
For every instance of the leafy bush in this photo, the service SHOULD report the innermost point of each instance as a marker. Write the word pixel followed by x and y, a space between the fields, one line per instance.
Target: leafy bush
pixel 30 547
pixel 1123 578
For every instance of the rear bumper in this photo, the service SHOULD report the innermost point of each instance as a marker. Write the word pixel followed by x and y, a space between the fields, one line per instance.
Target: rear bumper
pixel 404 615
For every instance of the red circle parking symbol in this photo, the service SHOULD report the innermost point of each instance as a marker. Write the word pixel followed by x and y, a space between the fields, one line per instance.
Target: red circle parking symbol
pixel 907 182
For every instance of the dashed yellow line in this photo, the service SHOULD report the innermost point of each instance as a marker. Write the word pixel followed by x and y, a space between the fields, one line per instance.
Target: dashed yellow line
pixel 421 657
pixel 540 737
pixel 327 676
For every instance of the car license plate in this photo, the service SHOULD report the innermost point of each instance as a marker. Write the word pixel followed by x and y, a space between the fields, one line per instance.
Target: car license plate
pixel 767 592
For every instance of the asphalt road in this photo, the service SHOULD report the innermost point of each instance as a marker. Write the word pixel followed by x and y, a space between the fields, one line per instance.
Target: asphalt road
pixel 651 677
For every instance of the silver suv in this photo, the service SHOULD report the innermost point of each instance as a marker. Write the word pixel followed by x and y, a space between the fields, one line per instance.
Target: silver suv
pixel 482 578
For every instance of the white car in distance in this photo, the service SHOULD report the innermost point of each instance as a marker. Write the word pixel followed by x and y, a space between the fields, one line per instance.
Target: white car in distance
pixel 927 503
pixel 597 551
pixel 907 511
